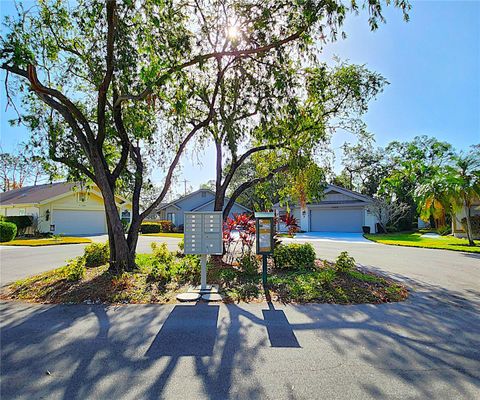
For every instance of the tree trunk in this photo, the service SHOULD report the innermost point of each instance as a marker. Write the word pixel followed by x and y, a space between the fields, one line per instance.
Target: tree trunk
pixel 121 258
pixel 111 238
pixel 469 224
pixel 219 187
pixel 133 233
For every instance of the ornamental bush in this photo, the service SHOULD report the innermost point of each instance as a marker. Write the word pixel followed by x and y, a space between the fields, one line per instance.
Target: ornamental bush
pixel 444 230
pixel 75 269
pixel 186 269
pixel 344 262
pixel 294 256
pixel 248 264
pixel 181 245
pixel 8 231
pixel 96 254
pixel 161 253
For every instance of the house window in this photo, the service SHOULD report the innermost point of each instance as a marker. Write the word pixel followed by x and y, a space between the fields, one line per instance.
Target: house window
pixel 171 218
pixel 126 216
pixel 21 211
pixel 82 197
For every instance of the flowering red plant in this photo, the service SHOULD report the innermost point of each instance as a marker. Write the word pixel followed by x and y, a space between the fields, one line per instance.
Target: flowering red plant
pixel 291 222
pixel 238 231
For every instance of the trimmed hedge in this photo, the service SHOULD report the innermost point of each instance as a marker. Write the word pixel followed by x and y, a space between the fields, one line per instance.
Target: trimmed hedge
pixel 8 231
pixel 21 221
pixel 294 256
pixel 156 227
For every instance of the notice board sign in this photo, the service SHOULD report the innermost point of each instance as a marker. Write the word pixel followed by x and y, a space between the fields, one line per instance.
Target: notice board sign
pixel 265 233
pixel 203 233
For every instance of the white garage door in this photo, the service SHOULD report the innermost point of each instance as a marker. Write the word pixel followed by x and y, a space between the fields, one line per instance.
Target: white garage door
pixel 78 222
pixel 336 220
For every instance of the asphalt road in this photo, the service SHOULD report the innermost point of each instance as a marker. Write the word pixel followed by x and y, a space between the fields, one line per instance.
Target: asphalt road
pixel 18 262
pixel 425 348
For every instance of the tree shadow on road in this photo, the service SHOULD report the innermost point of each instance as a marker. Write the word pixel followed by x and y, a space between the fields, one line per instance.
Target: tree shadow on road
pixel 216 352
pixel 95 351
pixel 427 343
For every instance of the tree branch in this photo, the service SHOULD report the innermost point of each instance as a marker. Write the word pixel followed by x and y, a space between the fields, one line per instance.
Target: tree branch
pixel 69 118
pixel 38 87
pixel 74 164
pixel 236 164
pixel 183 145
pixel 118 120
pixel 202 58
pixel 103 89
pixel 246 185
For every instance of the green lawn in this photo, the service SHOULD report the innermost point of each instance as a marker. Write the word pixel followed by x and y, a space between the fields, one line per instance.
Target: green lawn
pixel 165 234
pixel 46 241
pixel 285 235
pixel 415 239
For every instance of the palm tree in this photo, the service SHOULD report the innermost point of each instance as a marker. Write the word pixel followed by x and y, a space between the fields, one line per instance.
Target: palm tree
pixel 432 198
pixel 462 181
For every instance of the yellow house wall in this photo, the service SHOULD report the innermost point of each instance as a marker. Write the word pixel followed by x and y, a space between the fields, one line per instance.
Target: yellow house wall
pixel 18 210
pixel 70 202
pixel 457 227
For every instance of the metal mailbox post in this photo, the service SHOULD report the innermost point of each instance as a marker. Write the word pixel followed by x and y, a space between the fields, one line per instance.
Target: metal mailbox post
pixel 265 232
pixel 203 235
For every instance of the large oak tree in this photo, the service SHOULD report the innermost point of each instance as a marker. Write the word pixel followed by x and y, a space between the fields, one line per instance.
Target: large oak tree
pixel 105 84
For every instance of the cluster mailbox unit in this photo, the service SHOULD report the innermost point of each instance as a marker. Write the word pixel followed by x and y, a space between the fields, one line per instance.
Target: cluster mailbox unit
pixel 203 235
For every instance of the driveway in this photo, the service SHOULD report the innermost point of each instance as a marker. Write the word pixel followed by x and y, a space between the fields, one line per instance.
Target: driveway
pixel 17 262
pixel 332 237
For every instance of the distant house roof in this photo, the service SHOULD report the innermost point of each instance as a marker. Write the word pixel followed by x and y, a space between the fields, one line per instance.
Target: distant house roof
pixel 226 201
pixel 39 193
pixel 174 203
pixel 35 194
pixel 358 197
pixel 352 193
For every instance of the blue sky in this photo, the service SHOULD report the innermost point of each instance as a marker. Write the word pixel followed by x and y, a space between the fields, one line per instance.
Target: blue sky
pixel 431 62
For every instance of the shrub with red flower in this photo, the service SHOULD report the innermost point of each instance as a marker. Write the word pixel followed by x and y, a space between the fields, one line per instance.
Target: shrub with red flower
pixel 238 236
pixel 291 222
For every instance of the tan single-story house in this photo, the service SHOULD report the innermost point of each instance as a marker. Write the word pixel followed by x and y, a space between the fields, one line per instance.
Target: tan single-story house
pixel 339 210
pixel 62 208
pixel 200 200
pixel 457 228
